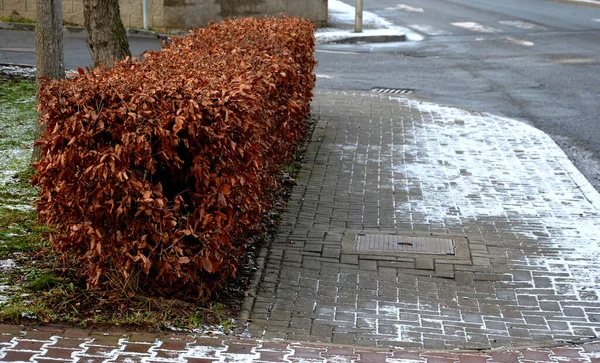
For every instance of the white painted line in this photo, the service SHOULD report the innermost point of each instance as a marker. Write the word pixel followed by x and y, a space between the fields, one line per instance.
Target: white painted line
pixel 596 2
pixel 323 76
pixel 428 29
pixel 476 27
pixel 576 61
pixel 598 20
pixel 406 8
pixel 334 51
pixel 525 43
pixel 523 25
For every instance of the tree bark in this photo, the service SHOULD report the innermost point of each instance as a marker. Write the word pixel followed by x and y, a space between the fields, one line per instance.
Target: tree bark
pixel 49 54
pixel 106 38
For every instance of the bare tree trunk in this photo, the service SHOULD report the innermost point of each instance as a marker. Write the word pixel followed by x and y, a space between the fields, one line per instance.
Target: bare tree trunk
pixel 49 55
pixel 106 38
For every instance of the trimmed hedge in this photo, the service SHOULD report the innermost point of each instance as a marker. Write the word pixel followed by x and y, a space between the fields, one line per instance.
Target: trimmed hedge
pixel 153 172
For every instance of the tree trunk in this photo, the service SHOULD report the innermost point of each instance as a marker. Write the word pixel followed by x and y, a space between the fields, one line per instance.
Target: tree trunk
pixel 106 38
pixel 49 55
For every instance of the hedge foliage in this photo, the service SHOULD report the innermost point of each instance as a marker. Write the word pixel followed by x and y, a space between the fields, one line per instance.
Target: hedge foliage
pixel 153 172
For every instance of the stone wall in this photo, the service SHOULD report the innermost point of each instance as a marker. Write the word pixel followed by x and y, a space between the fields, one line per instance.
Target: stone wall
pixel 176 15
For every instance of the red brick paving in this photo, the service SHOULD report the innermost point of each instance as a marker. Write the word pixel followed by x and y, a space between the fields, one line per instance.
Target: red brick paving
pixel 20 344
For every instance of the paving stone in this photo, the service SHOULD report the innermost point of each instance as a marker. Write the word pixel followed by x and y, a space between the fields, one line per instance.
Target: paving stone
pixel 29 345
pixel 272 356
pixel 505 357
pixel 372 357
pixel 349 259
pixel 59 353
pixel 575 312
pixel 307 353
pixel 136 348
pixel 106 339
pixel 17 356
pixel 560 352
pixel 367 265
pixel 538 355
pixel 442 270
pixel 422 263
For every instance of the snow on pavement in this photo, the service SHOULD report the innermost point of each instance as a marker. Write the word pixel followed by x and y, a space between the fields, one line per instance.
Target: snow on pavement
pixel 341 25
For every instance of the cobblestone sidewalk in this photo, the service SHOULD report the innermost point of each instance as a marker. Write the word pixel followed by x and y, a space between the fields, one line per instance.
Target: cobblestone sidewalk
pixel 525 223
pixel 18 344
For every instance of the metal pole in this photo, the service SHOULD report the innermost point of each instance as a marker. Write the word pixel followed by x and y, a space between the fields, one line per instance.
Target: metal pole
pixel 145 14
pixel 358 23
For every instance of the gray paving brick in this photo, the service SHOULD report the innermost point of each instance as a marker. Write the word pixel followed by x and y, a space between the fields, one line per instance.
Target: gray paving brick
pixel 424 263
pixel 569 311
pixel 331 252
pixel 442 270
pixel 375 157
pixel 368 265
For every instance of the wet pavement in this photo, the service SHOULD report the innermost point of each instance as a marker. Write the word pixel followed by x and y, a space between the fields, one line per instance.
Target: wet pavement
pixel 523 219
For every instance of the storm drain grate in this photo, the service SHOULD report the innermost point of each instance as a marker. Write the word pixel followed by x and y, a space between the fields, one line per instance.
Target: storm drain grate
pixel 402 91
pixel 404 244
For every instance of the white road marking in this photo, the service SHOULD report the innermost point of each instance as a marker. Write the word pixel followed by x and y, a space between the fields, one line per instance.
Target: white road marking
pixel 523 25
pixel 525 43
pixel 476 27
pixel 576 61
pixel 334 51
pixel 596 2
pixel 323 76
pixel 406 8
pixel 428 29
pixel 598 20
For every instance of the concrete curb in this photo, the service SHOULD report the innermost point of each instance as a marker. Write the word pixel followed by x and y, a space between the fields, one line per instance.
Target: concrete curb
pixel 248 303
pixel 370 39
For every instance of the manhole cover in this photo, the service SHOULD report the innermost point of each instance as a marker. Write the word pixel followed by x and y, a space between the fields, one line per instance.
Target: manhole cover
pixel 403 91
pixel 404 244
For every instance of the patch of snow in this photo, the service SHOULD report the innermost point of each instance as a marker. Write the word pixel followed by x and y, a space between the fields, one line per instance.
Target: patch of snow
pixel 21 207
pixel 4 293
pixel 525 43
pixel 12 160
pixel 200 351
pixel 341 14
pixel 476 27
pixel 18 71
pixel 7 265
pixel 340 25
pixel 473 166
pixel 216 330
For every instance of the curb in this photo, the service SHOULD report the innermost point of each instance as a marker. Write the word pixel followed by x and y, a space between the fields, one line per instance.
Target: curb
pixel 142 33
pixel 248 304
pixel 370 39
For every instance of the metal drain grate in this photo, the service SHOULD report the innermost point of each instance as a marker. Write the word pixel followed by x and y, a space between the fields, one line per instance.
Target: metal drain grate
pixel 402 91
pixel 404 244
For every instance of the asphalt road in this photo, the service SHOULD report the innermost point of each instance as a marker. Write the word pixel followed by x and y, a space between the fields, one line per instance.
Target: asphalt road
pixel 18 47
pixel 533 60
